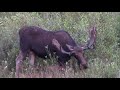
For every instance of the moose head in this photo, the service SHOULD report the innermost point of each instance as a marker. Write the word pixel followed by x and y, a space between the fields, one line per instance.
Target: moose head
pixel 78 51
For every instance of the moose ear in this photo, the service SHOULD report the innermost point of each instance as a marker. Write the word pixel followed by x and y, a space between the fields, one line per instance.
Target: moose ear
pixel 56 43
pixel 71 48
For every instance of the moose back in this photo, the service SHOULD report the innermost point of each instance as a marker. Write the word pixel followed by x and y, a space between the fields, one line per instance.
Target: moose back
pixel 34 40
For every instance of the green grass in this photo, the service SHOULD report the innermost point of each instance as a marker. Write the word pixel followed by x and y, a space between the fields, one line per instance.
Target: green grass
pixel 103 61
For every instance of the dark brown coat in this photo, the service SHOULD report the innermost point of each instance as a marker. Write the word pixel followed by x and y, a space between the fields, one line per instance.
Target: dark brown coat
pixel 35 41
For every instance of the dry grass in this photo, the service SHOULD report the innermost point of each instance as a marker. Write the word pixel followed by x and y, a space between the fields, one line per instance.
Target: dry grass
pixel 97 69
pixel 52 72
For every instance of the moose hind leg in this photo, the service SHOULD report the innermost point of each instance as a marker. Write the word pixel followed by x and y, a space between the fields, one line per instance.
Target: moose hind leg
pixel 19 60
pixel 32 60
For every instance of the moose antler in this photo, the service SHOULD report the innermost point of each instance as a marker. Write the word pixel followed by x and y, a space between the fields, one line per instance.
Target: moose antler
pixel 92 40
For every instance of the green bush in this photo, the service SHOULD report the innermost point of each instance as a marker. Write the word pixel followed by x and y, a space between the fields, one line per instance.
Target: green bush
pixel 103 61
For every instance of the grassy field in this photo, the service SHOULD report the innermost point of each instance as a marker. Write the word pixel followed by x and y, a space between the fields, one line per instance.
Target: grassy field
pixel 104 61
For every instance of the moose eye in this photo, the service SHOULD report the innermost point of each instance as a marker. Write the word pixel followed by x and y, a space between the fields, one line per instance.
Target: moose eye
pixel 80 51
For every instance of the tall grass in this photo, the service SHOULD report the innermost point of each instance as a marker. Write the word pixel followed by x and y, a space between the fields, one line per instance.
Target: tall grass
pixel 103 61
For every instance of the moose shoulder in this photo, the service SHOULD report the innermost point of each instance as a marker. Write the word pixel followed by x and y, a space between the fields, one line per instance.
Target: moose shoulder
pixel 34 40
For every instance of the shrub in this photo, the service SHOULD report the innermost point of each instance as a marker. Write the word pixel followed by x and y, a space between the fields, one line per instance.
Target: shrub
pixel 103 61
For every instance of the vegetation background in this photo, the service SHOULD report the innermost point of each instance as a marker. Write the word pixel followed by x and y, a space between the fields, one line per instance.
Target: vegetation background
pixel 104 61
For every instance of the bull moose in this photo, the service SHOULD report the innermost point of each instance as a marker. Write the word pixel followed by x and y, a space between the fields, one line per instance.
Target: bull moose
pixel 33 41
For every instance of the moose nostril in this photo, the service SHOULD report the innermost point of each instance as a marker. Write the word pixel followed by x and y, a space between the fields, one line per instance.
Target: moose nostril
pixel 85 66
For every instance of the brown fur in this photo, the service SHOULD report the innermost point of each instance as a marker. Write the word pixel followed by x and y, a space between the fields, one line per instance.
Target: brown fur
pixel 34 40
